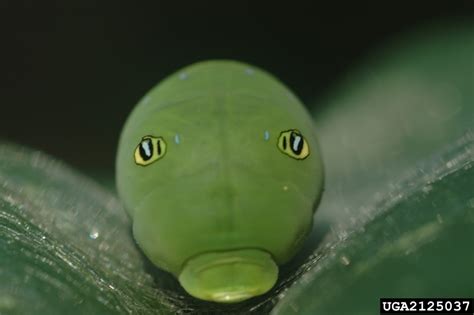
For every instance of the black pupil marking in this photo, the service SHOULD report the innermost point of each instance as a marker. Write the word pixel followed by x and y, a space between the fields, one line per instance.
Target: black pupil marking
pixel 296 142
pixel 284 143
pixel 146 149
pixel 158 144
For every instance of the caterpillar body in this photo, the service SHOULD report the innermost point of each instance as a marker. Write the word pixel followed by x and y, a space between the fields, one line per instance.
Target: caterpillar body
pixel 220 170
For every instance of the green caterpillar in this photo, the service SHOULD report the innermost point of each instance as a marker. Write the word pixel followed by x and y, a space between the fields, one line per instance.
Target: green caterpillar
pixel 220 169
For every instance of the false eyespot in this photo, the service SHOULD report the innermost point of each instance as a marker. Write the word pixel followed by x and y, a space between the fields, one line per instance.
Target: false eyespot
pixel 149 150
pixel 293 143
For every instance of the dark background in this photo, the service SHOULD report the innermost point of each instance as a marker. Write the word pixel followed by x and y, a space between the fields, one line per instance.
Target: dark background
pixel 71 71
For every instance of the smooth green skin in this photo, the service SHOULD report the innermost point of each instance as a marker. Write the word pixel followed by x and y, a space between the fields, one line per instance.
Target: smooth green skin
pixel 229 276
pixel 223 187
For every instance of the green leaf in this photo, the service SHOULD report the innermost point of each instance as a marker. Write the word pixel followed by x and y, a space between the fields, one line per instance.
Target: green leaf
pixel 419 244
pixel 397 143
pixel 65 244
pixel 396 218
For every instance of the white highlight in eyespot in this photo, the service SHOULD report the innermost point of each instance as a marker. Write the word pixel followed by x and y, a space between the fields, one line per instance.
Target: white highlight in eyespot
pixel 176 139
pixel 146 148
pixel 249 71
pixel 266 135
pixel 183 76
pixel 296 143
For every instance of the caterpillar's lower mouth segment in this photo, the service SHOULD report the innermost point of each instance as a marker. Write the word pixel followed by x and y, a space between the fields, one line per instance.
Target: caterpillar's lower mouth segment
pixel 229 276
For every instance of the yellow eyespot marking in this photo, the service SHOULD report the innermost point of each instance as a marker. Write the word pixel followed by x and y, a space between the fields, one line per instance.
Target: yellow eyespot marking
pixel 149 150
pixel 292 143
